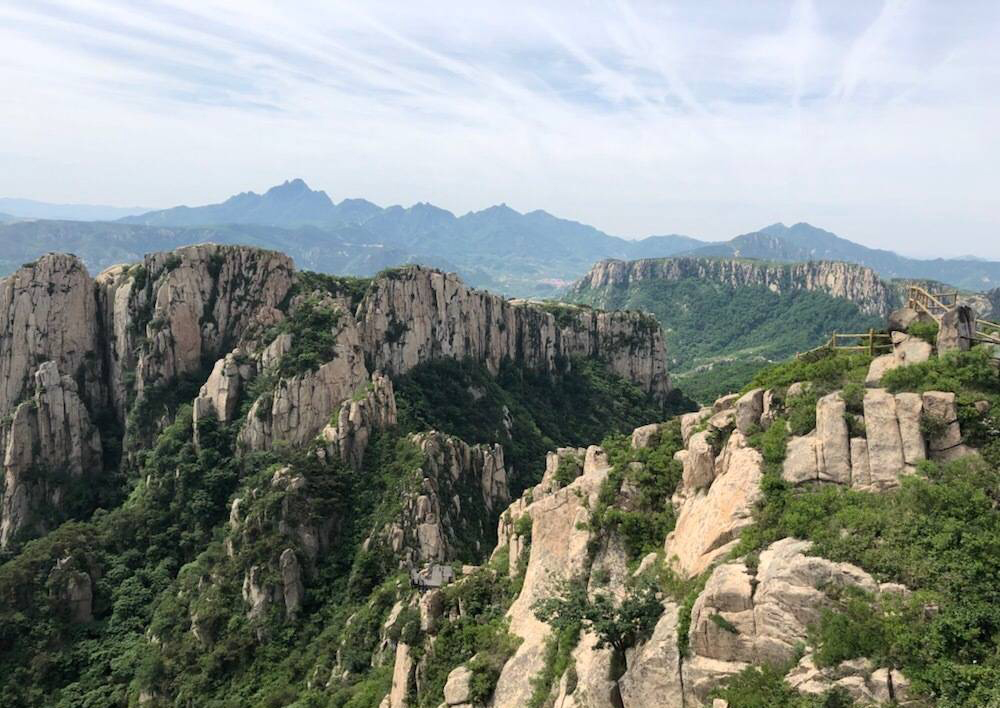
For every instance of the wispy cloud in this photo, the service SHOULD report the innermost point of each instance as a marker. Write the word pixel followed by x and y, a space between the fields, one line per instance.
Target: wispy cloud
pixel 707 117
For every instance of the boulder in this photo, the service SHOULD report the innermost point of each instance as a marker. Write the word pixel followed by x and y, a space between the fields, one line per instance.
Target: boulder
pixel 801 460
pixel 957 329
pixel 699 463
pixel 901 319
pixel 948 445
pixel 402 677
pixel 749 409
pixel 909 407
pixel 654 668
pixel 725 403
pixel 457 689
pixel 690 421
pixel 879 367
pixel 834 452
pixel 910 350
pixel 646 436
pixel 885 445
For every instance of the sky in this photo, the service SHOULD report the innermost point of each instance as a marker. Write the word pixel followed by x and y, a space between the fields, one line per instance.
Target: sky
pixel 875 120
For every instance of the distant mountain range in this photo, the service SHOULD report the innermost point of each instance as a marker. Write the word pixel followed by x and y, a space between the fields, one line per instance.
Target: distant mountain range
pixel 499 248
pixel 30 209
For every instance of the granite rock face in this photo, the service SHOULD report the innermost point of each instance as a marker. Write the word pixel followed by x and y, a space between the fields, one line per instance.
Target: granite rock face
pixel 165 317
pixel 418 314
pixel 49 314
pixel 49 442
pixel 711 514
pixel 858 284
pixel 454 480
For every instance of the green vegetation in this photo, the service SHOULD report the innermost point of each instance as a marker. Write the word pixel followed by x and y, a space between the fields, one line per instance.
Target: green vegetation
pixel 764 687
pixel 938 534
pixel 718 335
pixel 639 511
pixel 926 331
pixel 527 413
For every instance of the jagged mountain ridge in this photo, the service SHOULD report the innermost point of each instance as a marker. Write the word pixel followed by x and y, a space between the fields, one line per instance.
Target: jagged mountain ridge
pixel 133 332
pixel 498 247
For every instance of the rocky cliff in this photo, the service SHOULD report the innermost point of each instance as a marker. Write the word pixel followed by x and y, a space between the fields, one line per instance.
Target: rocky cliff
pixel 120 348
pixel 848 281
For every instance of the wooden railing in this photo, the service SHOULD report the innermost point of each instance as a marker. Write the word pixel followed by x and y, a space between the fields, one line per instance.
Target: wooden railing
pixel 934 304
pixel 870 342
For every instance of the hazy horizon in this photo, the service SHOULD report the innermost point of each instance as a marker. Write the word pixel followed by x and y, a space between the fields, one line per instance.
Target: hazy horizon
pixel 871 120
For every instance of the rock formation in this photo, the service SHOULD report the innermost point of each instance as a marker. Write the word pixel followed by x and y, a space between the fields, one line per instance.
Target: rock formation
pixel 457 489
pixel 50 443
pixel 416 314
pixel 858 284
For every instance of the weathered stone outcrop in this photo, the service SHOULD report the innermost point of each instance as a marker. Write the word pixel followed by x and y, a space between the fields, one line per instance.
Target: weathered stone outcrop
pixel 654 674
pixel 416 314
pixel 558 552
pixel 745 617
pixel 176 310
pixel 715 502
pixel 220 395
pixel 906 350
pixel 49 314
pixel 460 487
pixel 49 442
pixel 299 407
pixel 859 284
pixel 893 445
pixel 359 417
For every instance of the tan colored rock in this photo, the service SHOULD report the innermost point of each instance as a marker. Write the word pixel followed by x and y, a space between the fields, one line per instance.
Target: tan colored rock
pixel 740 619
pixel 885 445
pixel 51 431
pixel 220 395
pixel 646 436
pixel 431 608
pixel 301 406
pixel 861 473
pixel 690 421
pixel 710 522
pixel 722 619
pixel 457 689
pixel 402 677
pixel 798 388
pixel 749 409
pixel 909 407
pixel 291 581
pixel 801 460
pixel 699 463
pixel 879 367
pixel 558 552
pixel 834 452
pixel 203 299
pixel 417 314
pixel 725 403
pixel 49 314
pixel 911 350
pixel 940 406
pixel 359 417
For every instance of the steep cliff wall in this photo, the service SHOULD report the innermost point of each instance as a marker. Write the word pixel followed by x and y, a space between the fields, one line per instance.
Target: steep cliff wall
pixel 855 283
pixel 127 340
pixel 416 314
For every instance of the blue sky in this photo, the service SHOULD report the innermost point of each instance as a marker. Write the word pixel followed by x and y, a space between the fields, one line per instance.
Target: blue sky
pixel 877 120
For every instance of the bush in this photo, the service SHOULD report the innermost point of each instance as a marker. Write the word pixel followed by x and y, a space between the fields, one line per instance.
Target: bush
pixel 927 331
